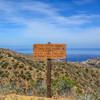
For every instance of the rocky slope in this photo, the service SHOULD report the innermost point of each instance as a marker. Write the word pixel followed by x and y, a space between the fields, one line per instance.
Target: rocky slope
pixel 94 62
pixel 22 74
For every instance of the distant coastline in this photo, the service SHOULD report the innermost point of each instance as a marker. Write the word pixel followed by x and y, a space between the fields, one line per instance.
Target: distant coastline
pixel 73 54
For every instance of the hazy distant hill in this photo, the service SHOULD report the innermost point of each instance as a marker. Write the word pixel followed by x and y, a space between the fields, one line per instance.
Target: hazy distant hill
pixel 23 75
pixel 94 62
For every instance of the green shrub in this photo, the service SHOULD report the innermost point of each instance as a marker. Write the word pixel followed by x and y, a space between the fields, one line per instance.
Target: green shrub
pixel 30 68
pixel 23 76
pixel 33 83
pixel 1 72
pixel 56 74
pixel 19 58
pixel 42 91
pixel 79 90
pixel 86 70
pixel 25 69
pixel 62 84
pixel 21 66
pixel 9 55
pixel 12 60
pixel 16 65
pixel 5 65
pixel 28 74
pixel 1 57
pixel 9 68
pixel 6 74
pixel 87 97
pixel 16 73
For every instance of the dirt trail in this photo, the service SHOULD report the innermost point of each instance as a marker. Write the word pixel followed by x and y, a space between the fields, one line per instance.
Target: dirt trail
pixel 19 97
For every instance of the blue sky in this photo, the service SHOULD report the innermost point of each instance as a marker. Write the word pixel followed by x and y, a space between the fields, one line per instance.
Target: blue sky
pixel 74 22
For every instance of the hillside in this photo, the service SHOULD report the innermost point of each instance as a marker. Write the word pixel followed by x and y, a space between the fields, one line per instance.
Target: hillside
pixel 21 74
pixel 94 62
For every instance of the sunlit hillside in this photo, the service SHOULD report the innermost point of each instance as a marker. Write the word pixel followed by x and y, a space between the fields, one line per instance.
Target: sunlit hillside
pixel 21 74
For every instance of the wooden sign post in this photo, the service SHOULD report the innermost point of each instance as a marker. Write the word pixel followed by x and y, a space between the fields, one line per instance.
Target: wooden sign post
pixel 49 76
pixel 48 52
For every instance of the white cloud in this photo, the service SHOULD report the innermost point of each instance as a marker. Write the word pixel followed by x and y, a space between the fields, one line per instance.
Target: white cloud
pixel 51 14
pixel 52 25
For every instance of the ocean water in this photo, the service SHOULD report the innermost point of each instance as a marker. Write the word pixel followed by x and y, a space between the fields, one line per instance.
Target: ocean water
pixel 73 54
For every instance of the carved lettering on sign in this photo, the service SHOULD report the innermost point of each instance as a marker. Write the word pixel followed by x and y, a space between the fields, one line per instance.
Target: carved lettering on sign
pixel 49 51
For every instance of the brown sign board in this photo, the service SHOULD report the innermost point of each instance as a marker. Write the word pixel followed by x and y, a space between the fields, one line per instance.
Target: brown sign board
pixel 49 51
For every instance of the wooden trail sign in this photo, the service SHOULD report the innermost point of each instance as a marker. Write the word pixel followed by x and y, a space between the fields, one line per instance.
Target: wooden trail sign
pixel 49 51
